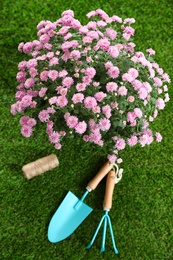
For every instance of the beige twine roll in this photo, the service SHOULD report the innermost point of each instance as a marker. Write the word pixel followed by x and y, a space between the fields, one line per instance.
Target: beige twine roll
pixel 39 166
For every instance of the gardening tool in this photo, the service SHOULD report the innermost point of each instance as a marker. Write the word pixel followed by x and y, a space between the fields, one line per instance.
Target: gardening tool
pixel 72 210
pixel 112 178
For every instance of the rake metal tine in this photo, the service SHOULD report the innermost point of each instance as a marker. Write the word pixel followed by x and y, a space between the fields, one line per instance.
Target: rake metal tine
pixel 96 232
pixel 112 236
pixel 104 234
pixel 107 205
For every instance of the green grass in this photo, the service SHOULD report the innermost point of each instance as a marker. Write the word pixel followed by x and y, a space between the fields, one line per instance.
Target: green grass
pixel 142 211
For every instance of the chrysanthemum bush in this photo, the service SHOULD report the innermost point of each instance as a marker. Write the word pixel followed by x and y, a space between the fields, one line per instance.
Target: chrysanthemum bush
pixel 89 81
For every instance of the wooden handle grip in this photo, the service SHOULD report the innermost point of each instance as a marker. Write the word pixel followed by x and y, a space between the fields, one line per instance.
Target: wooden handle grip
pixel 100 175
pixel 110 183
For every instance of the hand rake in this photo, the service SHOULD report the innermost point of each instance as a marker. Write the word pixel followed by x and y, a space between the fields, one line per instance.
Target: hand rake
pixel 107 205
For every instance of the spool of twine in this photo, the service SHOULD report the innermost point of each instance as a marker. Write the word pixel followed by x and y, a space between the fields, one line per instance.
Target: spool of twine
pixel 39 166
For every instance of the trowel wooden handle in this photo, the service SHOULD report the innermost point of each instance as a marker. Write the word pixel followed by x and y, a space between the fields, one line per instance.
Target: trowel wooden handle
pixel 100 175
pixel 110 183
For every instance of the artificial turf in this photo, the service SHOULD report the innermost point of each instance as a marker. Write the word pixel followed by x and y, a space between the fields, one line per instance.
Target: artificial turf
pixel 142 213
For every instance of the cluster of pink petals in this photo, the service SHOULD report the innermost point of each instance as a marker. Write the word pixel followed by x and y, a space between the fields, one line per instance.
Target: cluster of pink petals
pixel 90 102
pixel 74 123
pixel 27 124
pixel 91 77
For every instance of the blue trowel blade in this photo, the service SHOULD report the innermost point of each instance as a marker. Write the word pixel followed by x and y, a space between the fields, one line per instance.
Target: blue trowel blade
pixel 70 214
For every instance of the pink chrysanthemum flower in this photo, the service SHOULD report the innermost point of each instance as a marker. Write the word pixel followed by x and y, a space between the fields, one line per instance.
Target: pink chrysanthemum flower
pixel 127 77
pixel 157 82
pixel 99 96
pixel 144 139
pixel 104 43
pixel 27 47
pixel 111 86
pixel 122 91
pixel 86 80
pixel 26 131
pixel 42 92
pixel 93 35
pixel 120 144
pixel 63 73
pixel 61 101
pixel 29 83
pixel 95 137
pixel 133 72
pixel 112 158
pixel 90 102
pixel 90 72
pixel 53 61
pixel 138 112
pixel 104 124
pixel 43 116
pixel 151 51
pixel 44 75
pixel 111 33
pixel 24 120
pixel 142 93
pixel 53 100
pixel 129 20
pixel 96 110
pixel 131 99
pixel 77 98
pixel 80 86
pixel 58 146
pixel 133 140
pixel 72 121
pixel 160 103
pixel 75 54
pixel 67 82
pixel 44 38
pixel 53 74
pixel 54 137
pixel 113 72
pixel 113 51
pixel 26 101
pixel 116 19
pixel 107 111
pixel 91 14
pixel 81 127
pixel 131 117
pixel 108 65
pixel 158 137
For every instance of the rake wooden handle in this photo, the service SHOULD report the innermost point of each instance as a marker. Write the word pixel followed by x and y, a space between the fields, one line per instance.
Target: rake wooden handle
pixel 110 183
pixel 100 175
